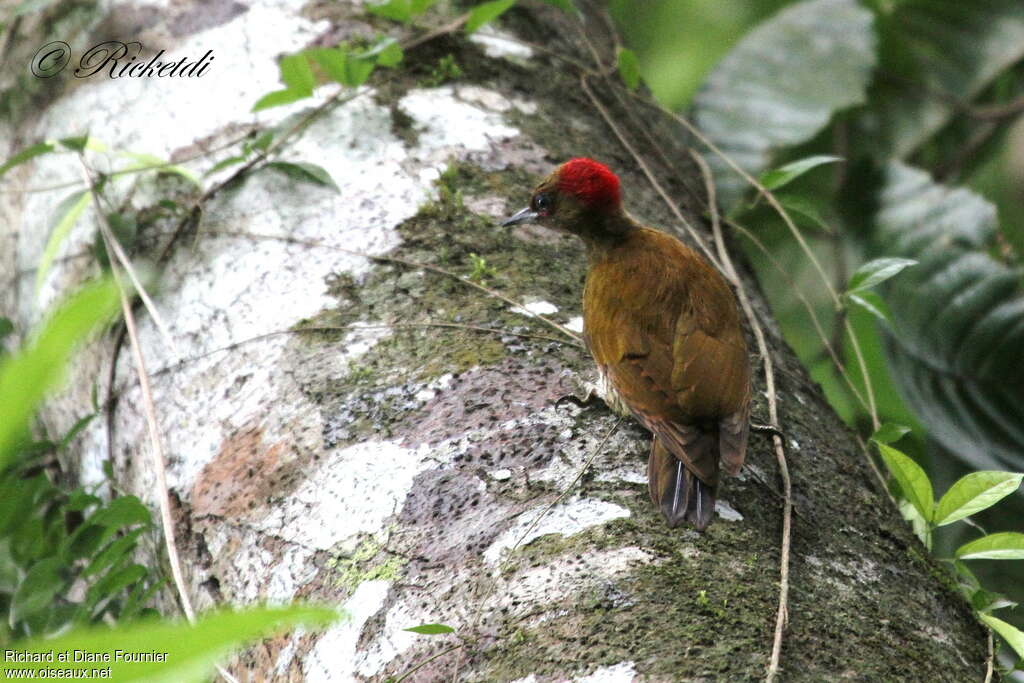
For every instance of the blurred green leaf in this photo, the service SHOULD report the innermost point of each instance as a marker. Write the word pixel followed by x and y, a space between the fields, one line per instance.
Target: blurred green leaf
pixel 6 327
pixel 629 68
pixel 191 651
pixel 975 492
pixel 782 83
pixel 1008 545
pixel 957 318
pixel 805 206
pixel 149 161
pixel 347 69
pixel 25 377
pixel 391 55
pixel 114 551
pixel 224 163
pixel 396 10
pixel 986 601
pixel 65 216
pixel 870 302
pixel 779 177
pixel 486 12
pixel 1011 634
pixel 935 52
pixel 877 271
pixel 28 153
pixel 310 173
pixel 121 512
pixel 914 483
pixel 36 591
pixel 277 98
pixel 296 74
pixel 890 433
pixel 76 429
pixel 431 629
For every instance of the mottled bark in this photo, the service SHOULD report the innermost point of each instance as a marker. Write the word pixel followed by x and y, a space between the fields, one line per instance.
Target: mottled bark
pixel 391 466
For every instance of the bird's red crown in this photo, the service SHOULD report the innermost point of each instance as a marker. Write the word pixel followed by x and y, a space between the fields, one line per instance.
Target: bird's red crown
pixel 591 182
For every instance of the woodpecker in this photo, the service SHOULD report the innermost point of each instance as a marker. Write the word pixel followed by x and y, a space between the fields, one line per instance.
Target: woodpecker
pixel 663 327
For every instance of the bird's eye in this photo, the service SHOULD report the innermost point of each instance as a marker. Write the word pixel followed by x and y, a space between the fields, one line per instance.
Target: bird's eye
pixel 542 203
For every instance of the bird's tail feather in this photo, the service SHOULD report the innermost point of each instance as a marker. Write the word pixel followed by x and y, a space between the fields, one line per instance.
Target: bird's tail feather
pixel 677 492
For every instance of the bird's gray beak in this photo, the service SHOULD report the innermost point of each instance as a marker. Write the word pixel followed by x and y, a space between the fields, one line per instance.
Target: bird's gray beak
pixel 525 216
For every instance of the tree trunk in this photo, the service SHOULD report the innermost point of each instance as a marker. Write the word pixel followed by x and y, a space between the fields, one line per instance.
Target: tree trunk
pixel 395 466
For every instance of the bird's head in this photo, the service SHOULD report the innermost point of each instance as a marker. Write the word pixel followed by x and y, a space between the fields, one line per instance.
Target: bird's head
pixel 581 196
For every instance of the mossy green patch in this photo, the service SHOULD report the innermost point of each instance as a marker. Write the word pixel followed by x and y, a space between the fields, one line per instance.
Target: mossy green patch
pixel 368 562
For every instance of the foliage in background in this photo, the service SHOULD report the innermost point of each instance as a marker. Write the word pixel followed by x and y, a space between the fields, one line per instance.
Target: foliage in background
pixel 911 102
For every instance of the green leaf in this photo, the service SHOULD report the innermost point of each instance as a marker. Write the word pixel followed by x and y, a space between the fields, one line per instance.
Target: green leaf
pixel 781 84
pixel 913 481
pixel 347 69
pixel 121 512
pixel 76 429
pixel 957 318
pixel 431 629
pixel 24 155
pixel 418 7
pixel 77 143
pixel 310 173
pixel 114 551
pixel 36 591
pixel 805 206
pixel 870 302
pixel 1011 634
pixel 779 177
pixel 486 12
pixel 6 327
pixel 149 161
pixel 877 271
pixel 262 142
pixel 191 651
pixel 629 68
pixel 277 98
pixel 986 601
pixel 224 163
pixel 917 522
pixel 930 49
pixel 890 433
pixel 1007 545
pixel 391 55
pixel 26 376
pixel 396 10
pixel 975 492
pixel 113 582
pixel 65 215
pixel 296 74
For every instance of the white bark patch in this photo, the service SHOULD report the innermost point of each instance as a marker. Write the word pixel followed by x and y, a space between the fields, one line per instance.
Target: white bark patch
pixel 334 652
pixel 352 492
pixel 535 308
pixel 624 475
pixel 727 512
pixel 566 519
pixel 623 672
pixel 575 324
pixel 434 111
pixel 498 43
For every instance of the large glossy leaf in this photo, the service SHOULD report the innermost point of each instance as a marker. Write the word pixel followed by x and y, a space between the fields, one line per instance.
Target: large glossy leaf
pixel 782 83
pixel 933 52
pixel 957 350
